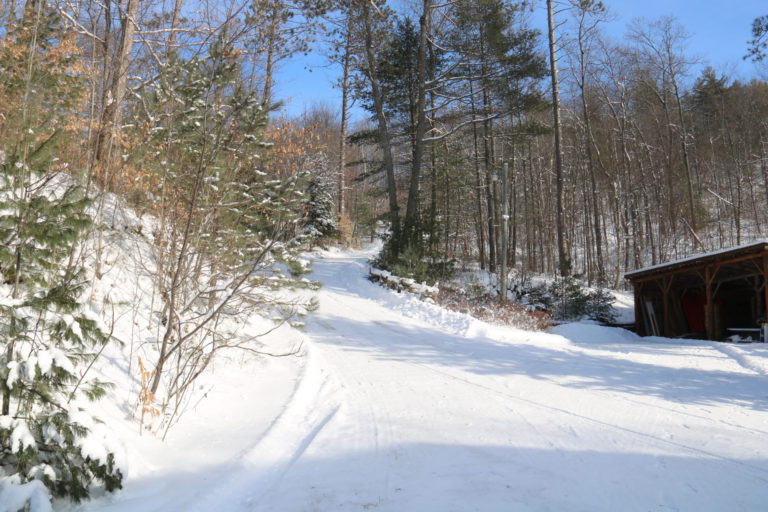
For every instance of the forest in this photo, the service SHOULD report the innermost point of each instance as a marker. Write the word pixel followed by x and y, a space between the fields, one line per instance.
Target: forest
pixel 637 155
pixel 639 162
pixel 484 143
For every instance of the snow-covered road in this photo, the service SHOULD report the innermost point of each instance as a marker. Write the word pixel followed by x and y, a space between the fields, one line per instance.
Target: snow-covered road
pixel 404 407
pixel 417 416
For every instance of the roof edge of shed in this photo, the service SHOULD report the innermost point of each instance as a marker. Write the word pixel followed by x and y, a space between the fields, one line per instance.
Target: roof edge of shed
pixel 698 258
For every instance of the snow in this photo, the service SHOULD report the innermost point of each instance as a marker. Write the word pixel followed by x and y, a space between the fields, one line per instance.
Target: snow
pixel 13 497
pixel 398 405
pixel 44 361
pixel 586 332
pixel 13 374
pixel 624 306
pixel 21 437
pixel 99 442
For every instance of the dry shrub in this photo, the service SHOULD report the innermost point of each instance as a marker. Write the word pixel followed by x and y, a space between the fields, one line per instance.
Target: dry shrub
pixel 292 146
pixel 488 308
pixel 146 397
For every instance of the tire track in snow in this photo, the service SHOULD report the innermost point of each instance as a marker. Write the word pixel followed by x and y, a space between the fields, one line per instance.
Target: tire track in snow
pixel 688 414
pixel 387 327
pixel 612 395
pixel 400 304
pixel 430 322
pixel 678 412
pixel 312 406
pixel 550 408
pixel 426 324
pixel 698 451
pixel 374 416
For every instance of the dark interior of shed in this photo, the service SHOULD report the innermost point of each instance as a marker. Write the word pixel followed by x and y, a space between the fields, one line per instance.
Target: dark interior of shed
pixel 675 305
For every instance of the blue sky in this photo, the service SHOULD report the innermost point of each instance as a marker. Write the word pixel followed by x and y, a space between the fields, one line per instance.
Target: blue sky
pixel 719 33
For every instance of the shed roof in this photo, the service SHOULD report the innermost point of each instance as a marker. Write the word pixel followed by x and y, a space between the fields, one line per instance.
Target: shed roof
pixel 700 260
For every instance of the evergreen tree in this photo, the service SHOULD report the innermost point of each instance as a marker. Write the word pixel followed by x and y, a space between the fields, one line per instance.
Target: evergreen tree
pixel 708 93
pixel 397 75
pixel 759 42
pixel 49 338
pixel 320 220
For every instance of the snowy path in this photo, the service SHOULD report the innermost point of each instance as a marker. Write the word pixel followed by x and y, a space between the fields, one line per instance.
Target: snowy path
pixel 404 407
pixel 423 419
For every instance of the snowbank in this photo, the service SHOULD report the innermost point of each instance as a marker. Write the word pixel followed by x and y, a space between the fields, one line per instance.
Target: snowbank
pixel 589 332
pixel 399 283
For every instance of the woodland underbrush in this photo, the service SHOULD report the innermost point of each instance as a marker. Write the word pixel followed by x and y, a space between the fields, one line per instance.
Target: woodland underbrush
pixel 487 307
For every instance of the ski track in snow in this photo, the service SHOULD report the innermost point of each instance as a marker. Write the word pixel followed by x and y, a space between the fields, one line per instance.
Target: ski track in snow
pixel 401 406
pixel 310 408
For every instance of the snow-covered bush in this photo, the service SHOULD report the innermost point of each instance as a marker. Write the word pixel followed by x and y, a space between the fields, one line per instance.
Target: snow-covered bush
pixel 568 298
pixel 486 306
pixel 50 340
pixel 227 235
pixel 414 261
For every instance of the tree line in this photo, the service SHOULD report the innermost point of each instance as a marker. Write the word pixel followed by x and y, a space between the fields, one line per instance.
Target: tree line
pixel 621 153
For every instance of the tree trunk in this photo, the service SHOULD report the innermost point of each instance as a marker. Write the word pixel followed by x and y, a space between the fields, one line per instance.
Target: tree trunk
pixel 564 263
pixel 488 163
pixel 344 116
pixel 385 140
pixel 113 111
pixel 269 67
pixel 412 206
pixel 590 162
pixel 478 182
pixel 175 18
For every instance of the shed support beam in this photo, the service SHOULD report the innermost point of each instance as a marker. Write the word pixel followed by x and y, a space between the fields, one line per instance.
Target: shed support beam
pixel 665 290
pixel 765 287
pixel 639 320
pixel 709 311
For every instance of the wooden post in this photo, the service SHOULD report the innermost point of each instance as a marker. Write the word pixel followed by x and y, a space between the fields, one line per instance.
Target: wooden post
pixel 504 224
pixel 709 308
pixel 765 287
pixel 667 313
pixel 639 324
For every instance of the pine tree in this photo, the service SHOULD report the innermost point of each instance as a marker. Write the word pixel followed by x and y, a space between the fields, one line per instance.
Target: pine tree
pixel 226 228
pixel 759 41
pixel 320 220
pixel 49 338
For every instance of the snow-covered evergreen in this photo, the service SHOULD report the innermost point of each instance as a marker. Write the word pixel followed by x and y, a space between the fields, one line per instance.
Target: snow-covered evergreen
pixel 51 337
pixel 49 445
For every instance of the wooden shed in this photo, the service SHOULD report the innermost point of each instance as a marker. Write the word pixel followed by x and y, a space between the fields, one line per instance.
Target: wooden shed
pixel 713 295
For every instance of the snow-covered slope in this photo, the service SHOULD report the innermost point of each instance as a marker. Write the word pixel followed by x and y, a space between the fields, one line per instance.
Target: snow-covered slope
pixel 234 404
pixel 397 405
